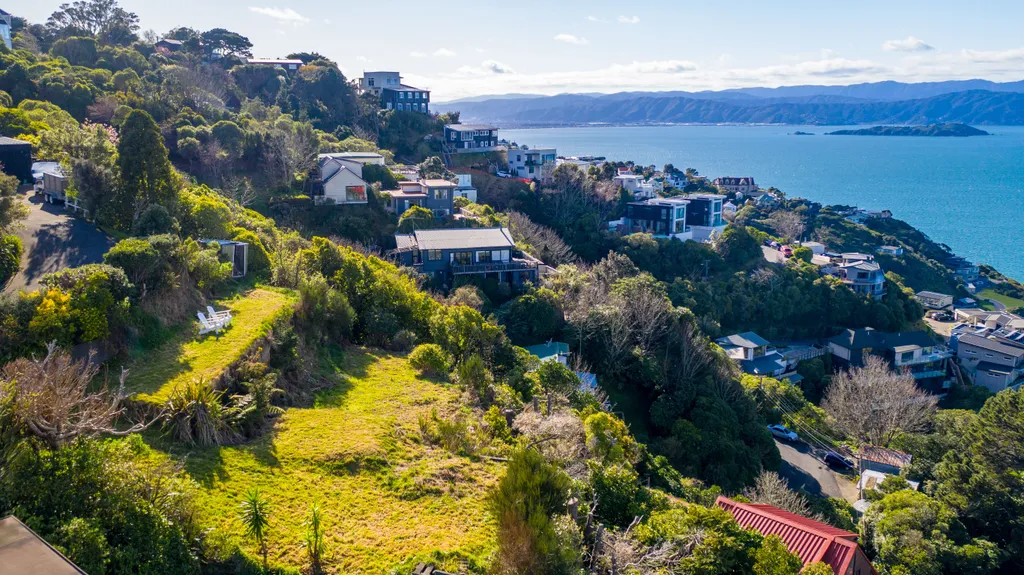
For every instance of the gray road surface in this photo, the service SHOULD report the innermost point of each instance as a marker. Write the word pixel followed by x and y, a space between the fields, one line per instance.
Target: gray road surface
pixel 804 471
pixel 53 240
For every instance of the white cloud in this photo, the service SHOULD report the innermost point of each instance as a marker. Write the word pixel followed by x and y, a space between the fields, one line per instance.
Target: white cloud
pixel 656 67
pixel 909 44
pixel 480 50
pixel 283 15
pixel 415 54
pixel 570 39
pixel 486 68
pixel 444 52
pixel 629 19
pixel 595 19
pixel 362 58
pixel 327 20
pixel 993 57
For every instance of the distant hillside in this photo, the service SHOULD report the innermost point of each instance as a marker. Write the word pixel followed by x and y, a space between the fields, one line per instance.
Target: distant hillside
pixel 978 107
pixel 931 130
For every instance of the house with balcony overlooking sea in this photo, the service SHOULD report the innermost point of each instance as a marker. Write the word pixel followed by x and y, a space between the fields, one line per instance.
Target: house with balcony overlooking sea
pixel 704 216
pixel 464 138
pixel 662 217
pixel 532 163
pixel 862 274
pixel 393 94
pixel 488 253
pixel 435 195
pixel 286 64
pixel 913 351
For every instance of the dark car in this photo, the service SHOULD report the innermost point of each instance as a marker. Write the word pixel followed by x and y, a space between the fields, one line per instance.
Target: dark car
pixel 833 459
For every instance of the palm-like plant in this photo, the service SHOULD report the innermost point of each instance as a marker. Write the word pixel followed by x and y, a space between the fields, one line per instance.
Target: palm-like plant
pixel 196 415
pixel 255 517
pixel 315 544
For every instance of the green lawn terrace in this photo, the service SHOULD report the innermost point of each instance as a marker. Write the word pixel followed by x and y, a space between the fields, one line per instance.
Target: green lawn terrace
pixel 387 496
pixel 153 374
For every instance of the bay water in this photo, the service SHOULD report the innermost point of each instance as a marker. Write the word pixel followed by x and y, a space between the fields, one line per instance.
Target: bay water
pixel 965 192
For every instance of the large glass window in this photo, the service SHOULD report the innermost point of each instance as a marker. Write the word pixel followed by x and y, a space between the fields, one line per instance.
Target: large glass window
pixel 355 193
pixel 483 257
pixel 433 255
pixel 463 258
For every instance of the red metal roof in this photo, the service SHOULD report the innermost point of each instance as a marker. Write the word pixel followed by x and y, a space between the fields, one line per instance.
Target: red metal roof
pixel 808 539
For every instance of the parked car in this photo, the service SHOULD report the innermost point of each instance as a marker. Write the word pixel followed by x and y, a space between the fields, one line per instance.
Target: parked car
pixel 783 432
pixel 787 251
pixel 833 459
pixel 503 174
pixel 774 245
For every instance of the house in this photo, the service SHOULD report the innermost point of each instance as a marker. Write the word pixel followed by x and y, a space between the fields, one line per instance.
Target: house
pixel 744 186
pixel 375 82
pixel 861 216
pixel 16 158
pixel 665 217
pixel 963 268
pixel 340 181
pixel 817 248
pixel 489 253
pixel 890 250
pixel 729 208
pixel 872 480
pixel 636 184
pixel 704 216
pixel 168 45
pixel 435 195
pixel 5 28
pixel 471 137
pixel 551 351
pixel 992 363
pixel 237 253
pixel 532 164
pixel 287 64
pixel 364 158
pixel 810 540
pixel 862 274
pixel 405 98
pixel 22 552
pixel 464 188
pixel 883 460
pixel 912 351
pixel 753 355
pixel 934 300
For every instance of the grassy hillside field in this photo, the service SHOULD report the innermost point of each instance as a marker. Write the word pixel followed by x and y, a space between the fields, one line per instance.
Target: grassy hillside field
pixel 357 451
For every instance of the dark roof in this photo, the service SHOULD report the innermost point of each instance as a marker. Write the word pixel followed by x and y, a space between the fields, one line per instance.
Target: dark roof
pixel 763 365
pixel 22 551
pixel 747 339
pixel 991 345
pixel 993 368
pixel 809 540
pixel 5 141
pixel 869 337
pixel 885 456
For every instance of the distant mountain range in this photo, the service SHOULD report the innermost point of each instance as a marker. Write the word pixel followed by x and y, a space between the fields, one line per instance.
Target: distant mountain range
pixel 963 101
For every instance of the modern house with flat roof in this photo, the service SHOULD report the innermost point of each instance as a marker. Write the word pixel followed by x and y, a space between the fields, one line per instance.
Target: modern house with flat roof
pixel 287 64
pixel 993 363
pixel 912 351
pixel 462 138
pixel 375 82
pixel 663 217
pixel 532 163
pixel 435 195
pixel 340 181
pixel 393 94
pixel 810 540
pixel 704 216
pixel 862 274
pixel 489 253
pixel 934 300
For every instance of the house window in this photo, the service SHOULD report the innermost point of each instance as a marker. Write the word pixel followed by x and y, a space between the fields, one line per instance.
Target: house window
pixel 462 258
pixel 483 257
pixel 370 82
pixel 441 194
pixel 907 356
pixel 355 193
pixel 433 255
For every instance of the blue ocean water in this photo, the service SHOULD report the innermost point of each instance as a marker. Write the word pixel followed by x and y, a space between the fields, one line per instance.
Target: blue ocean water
pixel 965 192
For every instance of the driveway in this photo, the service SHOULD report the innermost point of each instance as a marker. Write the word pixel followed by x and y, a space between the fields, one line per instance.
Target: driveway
pixel 773 256
pixel 805 471
pixel 53 240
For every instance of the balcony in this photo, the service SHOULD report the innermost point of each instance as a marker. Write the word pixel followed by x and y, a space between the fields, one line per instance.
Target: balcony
pixel 494 267
pixel 938 353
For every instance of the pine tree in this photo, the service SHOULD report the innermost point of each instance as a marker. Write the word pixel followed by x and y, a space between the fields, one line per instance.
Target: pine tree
pixel 145 172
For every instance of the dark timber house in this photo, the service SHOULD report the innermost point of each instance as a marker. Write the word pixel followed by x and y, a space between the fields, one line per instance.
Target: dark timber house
pixel 16 157
pixel 489 253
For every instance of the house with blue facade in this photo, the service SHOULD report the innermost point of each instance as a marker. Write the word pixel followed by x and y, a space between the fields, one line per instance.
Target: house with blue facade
pixel 393 94
pixel 5 28
pixel 435 195
pixel 489 253
pixel 470 137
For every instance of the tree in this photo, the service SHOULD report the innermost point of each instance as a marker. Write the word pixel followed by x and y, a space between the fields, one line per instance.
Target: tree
pixel 315 541
pixel 770 489
pixel 540 241
pixel 255 517
pixel 787 224
pixel 12 209
pixel 433 168
pixel 874 405
pixel 145 175
pixel 222 43
pixel 53 401
pixel 774 558
pixel 94 18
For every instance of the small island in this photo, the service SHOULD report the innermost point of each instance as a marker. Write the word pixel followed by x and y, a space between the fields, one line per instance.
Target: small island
pixel 931 130
pixel 799 133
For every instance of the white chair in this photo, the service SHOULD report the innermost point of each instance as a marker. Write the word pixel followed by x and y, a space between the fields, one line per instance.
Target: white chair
pixel 206 325
pixel 215 315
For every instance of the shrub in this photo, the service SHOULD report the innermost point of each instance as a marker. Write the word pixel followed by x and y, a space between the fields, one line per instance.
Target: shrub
pixel 141 262
pixel 430 358
pixel 10 257
pixel 497 424
pixel 196 416
pixel 204 264
pixel 155 219
pixel 82 541
pixel 473 375
pixel 404 340
pixel 619 497
pixel 259 259
pixel 324 310
pixel 610 440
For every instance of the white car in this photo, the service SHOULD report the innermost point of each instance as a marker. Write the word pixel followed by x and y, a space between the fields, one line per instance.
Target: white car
pixel 502 174
pixel 782 432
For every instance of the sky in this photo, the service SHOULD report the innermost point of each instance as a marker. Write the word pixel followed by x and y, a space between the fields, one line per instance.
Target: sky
pixel 462 48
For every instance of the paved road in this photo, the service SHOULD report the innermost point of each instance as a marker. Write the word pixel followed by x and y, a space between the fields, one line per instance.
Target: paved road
pixel 773 256
pixel 804 471
pixel 998 305
pixel 53 240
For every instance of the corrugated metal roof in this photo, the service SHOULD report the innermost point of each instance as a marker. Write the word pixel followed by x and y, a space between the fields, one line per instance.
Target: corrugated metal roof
pixel 885 456
pixel 5 141
pixel 464 238
pixel 746 339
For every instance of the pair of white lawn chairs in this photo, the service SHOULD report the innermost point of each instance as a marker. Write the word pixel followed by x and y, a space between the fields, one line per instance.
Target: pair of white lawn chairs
pixel 214 321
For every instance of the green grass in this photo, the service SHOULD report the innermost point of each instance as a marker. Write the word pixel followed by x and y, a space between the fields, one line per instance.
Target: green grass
pixel 1009 302
pixel 152 375
pixel 386 496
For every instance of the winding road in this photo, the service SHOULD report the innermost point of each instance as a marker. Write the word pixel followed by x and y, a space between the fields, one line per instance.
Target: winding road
pixel 805 471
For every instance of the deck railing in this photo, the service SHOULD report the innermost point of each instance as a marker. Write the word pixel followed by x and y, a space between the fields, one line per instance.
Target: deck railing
pixel 494 267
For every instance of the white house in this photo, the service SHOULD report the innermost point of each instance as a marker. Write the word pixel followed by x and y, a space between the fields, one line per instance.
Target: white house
pixel 532 163
pixel 934 300
pixel 817 248
pixel 376 81
pixel 640 188
pixel 342 181
pixel 289 64
pixel 465 188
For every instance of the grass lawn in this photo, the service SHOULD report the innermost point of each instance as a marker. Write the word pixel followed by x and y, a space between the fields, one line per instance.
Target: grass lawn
pixel 1009 302
pixel 386 496
pixel 152 375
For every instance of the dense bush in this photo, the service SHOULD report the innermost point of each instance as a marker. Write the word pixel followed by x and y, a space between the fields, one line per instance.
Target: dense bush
pixel 10 257
pixel 430 358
